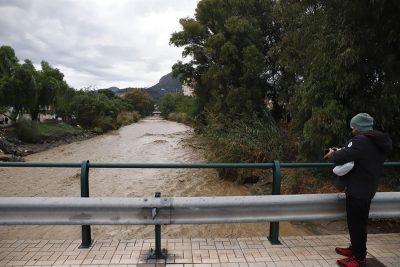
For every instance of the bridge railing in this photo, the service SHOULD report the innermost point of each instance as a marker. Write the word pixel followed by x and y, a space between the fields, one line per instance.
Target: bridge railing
pixel 185 210
pixel 276 166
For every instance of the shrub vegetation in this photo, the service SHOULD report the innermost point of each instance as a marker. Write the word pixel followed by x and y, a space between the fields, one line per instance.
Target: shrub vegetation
pixel 33 132
pixel 27 131
pixel 178 107
pixel 128 117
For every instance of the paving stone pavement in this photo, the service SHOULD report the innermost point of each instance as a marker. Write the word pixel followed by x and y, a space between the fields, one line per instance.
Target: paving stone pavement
pixel 197 252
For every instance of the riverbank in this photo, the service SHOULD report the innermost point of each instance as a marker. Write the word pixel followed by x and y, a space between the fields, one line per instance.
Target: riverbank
pixel 13 149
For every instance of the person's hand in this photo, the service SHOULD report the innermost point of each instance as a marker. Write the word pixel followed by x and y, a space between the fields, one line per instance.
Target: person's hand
pixel 330 152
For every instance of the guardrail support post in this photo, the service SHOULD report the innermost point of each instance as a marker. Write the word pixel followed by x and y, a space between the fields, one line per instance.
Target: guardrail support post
pixel 158 253
pixel 86 232
pixel 276 190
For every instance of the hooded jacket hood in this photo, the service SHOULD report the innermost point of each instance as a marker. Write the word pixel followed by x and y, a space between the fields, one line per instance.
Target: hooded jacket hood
pixel 381 140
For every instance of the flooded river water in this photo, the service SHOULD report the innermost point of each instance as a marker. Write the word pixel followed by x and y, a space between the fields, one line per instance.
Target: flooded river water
pixel 151 140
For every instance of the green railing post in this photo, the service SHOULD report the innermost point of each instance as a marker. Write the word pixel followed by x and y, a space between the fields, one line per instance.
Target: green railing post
pixel 158 253
pixel 86 232
pixel 276 190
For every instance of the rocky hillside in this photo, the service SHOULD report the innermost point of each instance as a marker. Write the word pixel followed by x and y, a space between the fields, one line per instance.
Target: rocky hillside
pixel 167 84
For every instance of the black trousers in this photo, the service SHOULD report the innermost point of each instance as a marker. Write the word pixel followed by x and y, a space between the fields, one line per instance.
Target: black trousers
pixel 357 220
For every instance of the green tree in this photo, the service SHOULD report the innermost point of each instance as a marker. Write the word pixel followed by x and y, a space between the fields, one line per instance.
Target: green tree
pixel 28 90
pixel 63 99
pixel 229 42
pixel 186 104
pixel 167 104
pixel 50 80
pixel 345 57
pixel 140 101
pixel 20 89
pixel 8 62
pixel 107 93
pixel 90 108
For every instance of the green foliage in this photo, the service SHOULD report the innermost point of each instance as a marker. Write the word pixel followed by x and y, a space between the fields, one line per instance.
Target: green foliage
pixel 323 130
pixel 33 132
pixel 20 89
pixel 63 99
pixel 27 131
pixel 3 109
pixel 106 123
pixel 49 130
pixel 26 89
pixel 320 62
pixel 107 93
pixel 98 130
pixel 343 56
pixel 101 111
pixel 90 108
pixel 8 60
pixel 178 117
pixel 228 41
pixel 178 104
pixel 308 181
pixel 51 86
pixel 140 101
pixel 167 104
pixel 249 139
pixel 186 104
pixel 127 117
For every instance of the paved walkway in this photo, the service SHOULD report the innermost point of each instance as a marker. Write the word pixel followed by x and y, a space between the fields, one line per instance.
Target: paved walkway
pixel 197 252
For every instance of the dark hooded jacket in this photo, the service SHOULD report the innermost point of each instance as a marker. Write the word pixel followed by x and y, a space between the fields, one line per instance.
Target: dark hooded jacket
pixel 368 151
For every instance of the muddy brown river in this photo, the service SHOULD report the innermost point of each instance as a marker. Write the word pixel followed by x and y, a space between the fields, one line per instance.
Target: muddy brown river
pixel 151 140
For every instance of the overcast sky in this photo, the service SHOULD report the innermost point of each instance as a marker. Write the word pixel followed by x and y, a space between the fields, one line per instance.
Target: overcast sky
pixel 103 43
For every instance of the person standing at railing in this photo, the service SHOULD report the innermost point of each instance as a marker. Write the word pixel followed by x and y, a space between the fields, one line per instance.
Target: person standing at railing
pixel 368 150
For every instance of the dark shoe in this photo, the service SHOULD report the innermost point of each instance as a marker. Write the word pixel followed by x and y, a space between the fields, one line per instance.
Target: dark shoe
pixel 352 262
pixel 344 251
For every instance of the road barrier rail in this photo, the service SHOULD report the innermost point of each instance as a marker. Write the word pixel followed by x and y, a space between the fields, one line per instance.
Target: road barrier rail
pixel 247 214
pixel 186 210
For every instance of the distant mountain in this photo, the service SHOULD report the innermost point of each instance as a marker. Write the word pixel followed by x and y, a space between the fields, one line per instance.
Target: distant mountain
pixel 167 84
pixel 118 91
pixel 114 89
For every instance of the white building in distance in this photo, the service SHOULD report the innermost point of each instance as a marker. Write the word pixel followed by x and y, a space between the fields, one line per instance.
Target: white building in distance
pixel 187 90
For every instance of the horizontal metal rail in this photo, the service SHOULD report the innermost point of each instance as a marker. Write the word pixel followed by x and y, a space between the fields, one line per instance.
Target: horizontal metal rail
pixel 178 165
pixel 140 165
pixel 175 165
pixel 186 210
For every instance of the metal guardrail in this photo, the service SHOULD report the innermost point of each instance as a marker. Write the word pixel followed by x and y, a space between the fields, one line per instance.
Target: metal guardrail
pixel 276 166
pixel 186 210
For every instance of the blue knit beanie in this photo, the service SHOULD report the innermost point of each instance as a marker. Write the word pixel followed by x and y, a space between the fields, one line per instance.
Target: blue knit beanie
pixel 362 122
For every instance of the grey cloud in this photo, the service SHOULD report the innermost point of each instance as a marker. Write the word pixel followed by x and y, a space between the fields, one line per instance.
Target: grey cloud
pixel 96 41
pixel 22 4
